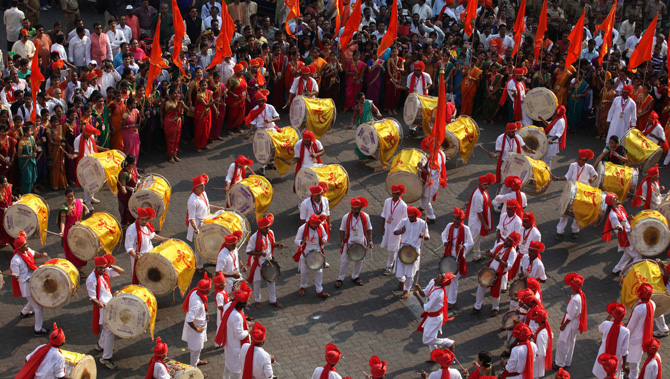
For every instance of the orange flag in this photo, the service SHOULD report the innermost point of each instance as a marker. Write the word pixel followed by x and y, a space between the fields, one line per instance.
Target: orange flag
pixel 225 37
pixel 519 27
pixel 338 13
pixel 391 33
pixel 643 50
pixel 36 79
pixel 467 17
pixel 576 38
pixel 353 22
pixel 293 12
pixel 541 29
pixel 156 62
pixel 179 31
pixel 607 27
pixel 439 127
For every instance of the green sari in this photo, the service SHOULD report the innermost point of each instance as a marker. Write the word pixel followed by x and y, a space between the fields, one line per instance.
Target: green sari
pixel 576 105
pixel 364 116
pixel 102 124
pixel 28 166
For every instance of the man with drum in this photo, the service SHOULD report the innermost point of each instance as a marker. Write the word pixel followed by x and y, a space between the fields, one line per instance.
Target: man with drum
pixel 654 130
pixel 509 222
pixel 437 177
pixel 46 361
pixel 413 231
pixel 316 204
pixel 479 213
pixel 255 361
pixel 198 208
pixel 157 368
pixel 622 114
pixel 531 265
pixel 617 221
pixel 507 143
pixel 420 83
pixel 641 326
pixel 138 237
pixel 435 311
pixel 514 184
pixel 304 85
pixel 260 248
pixel 310 239
pixel 615 339
pixel 235 333
pixel 649 191
pixel 100 292
pixel 85 145
pixel 394 210
pixel 457 241
pixel 263 116
pixel 516 90
pixel 307 152
pixel 238 171
pixel 194 332
pixel 556 131
pixel 574 320
pixel 355 229
pixel 228 260
pixel 582 172
pixel 22 267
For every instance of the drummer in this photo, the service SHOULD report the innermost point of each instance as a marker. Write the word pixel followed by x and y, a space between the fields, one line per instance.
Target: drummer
pixel 304 85
pixel 513 183
pixel 238 171
pixel 263 115
pixel 436 175
pixel 395 209
pixel 523 355
pixel 412 231
pixel 649 191
pixel 333 355
pixel 516 90
pixel 543 338
pixel 478 213
pixel 316 204
pixel 355 228
pixel 509 222
pixel 420 83
pixel 260 248
pixel 617 221
pixel 197 211
pixel 22 267
pixel 311 236
pixel 457 241
pixel 307 152
pixel 507 143
pixel 157 368
pixel 228 260
pixel 139 236
pixel 377 368
pixel 444 357
pixel 613 153
pixel 85 145
pixel 582 172
pixel 256 363
pixel 46 361
pixel 556 131
pixel 654 131
pixel 435 311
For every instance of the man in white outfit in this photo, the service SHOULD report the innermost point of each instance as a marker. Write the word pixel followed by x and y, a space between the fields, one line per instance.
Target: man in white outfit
pixel 649 194
pixel 412 231
pixel 22 267
pixel 238 171
pixel 85 145
pixel 479 213
pixel 556 132
pixel 615 339
pixel 444 357
pixel 507 143
pixel 418 82
pixel 651 369
pixel 522 354
pixel 255 361
pixel 310 238
pixel 543 339
pixel 198 208
pixel 512 190
pixel 316 204
pixel 46 361
pixel 516 90
pixel 157 368
pixel 236 333
pixel 355 228
pixel 640 326
pixel 573 321
pixel 221 298
pixel 395 209
pixel 437 177
pixel 622 114
pixel 260 248
pixel 617 221
pixel 435 311
pixel 333 355
pixel 457 241
pixel 194 332
pixel 509 222
pixel 228 261
pixel 138 238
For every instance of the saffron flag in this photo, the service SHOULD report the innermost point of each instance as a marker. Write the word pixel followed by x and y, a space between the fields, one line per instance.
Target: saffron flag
pixel 439 127
pixel 467 17
pixel 36 79
pixel 179 31
pixel 353 23
pixel 576 38
pixel 519 27
pixel 607 26
pixel 644 48
pixel 225 37
pixel 392 33
pixel 293 13
pixel 541 29
pixel 156 63
pixel 338 13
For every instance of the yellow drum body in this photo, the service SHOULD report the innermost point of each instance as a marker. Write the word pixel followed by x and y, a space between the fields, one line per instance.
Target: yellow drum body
pixel 317 115
pixel 178 370
pixel 379 135
pixel 251 194
pixel 30 214
pixel 535 139
pixel 461 137
pixel 131 311
pixel 79 366
pixel 621 180
pixel 153 191
pixel 276 146
pixel 214 230
pixel 333 174
pixel 101 231
pixel 404 171
pixel 644 271
pixel 53 283
pixel 584 203
pixel 535 175
pixel 642 152
pixel 649 233
pixel 419 109
pixel 167 266
pixel 96 169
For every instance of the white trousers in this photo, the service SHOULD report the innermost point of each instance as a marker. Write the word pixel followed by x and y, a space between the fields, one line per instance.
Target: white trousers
pixel 87 198
pixel 426 201
pixel 452 290
pixel 661 325
pixel 563 222
pixel 635 354
pixel 344 264
pixel 431 331
pixel 195 357
pixel 106 342
pixel 39 313
pixel 227 374
pixel 304 276
pixel 272 290
pixel 566 345
pixel 477 243
pixel 479 301
pixel 393 254
pixel 628 254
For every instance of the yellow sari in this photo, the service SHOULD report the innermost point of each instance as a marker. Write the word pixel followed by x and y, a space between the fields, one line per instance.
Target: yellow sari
pixel 561 84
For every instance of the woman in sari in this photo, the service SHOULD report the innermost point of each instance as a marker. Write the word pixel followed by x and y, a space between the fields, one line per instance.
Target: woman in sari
pixel 68 215
pixel 131 123
pixel 126 185
pixel 219 94
pixel 174 107
pixel 318 63
pixel 27 163
pixel 117 108
pixel 279 64
pixel 6 199
pixel 101 116
pixel 394 69
pixel 41 146
pixel 363 113
pixel 237 95
pixel 607 95
pixel 645 104
pixel 292 70
pixel 330 79
pixel 575 107
pixel 472 75
pixel 71 158
pixel 203 116
pixel 373 79
pixel 493 92
pixel 354 72
pixel 58 177
pixel 562 75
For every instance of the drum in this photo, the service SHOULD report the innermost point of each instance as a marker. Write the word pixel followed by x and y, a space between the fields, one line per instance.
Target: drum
pixel 408 254
pixel 96 169
pixel 649 233
pixel 622 180
pixel 275 146
pixel 317 115
pixel 418 109
pixel 461 136
pixel 79 366
pixel 510 319
pixel 642 152
pixel 664 207
pixel 404 171
pixel 380 135
pixel 516 286
pixel 178 370
pixel 53 283
pixel 131 311
pixel 644 271
pixel 535 175
pixel 334 175
pixel 314 259
pixel 270 270
pixel 356 252
pixel 584 203
pixel 30 214
pixel 100 231
pixel 153 191
pixel 449 264
pixel 250 194
pixel 540 102
pixel 487 277
pixel 214 230
pixel 167 266
pixel 535 139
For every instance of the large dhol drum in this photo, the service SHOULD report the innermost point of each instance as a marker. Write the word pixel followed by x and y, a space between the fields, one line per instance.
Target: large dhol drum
pixel 461 137
pixel 99 232
pixel 535 175
pixel 404 171
pixel 408 254
pixel 53 283
pixel 94 170
pixel 275 147
pixel 379 135
pixel 178 370
pixel 487 277
pixel 167 266
pixel 584 203
pixel 131 311
pixel 30 214
pixel 317 115
pixel 418 109
pixel 621 180
pixel 535 139
pixel 153 191
pixel 252 194
pixel 79 366
pixel 664 207
pixel 642 152
pixel 649 233
pixel 214 230
pixel 334 175
pixel 644 271
pixel 540 102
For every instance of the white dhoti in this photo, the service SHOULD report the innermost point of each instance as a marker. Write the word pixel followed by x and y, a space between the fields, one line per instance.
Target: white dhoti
pixel 304 275
pixel 566 344
pixel 432 328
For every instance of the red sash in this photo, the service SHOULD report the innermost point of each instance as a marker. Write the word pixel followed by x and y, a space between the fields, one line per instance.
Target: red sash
pixel 30 368
pixel 298 165
pixel 444 311
pixel 495 290
pixel 486 210
pixel 550 343
pixel 363 219
pixel 612 340
pixel 622 236
pixel 502 151
pixel 518 112
pixel 305 235
pixel 100 281
pixel 140 233
pixel 221 335
pixel 252 116
pixel 253 260
pixel 248 370
pixel 659 375
pixel 562 142
pixel 413 82
pixel 150 369
pixel 636 201
pixel 325 374
pixel 82 146
pixel 460 238
pixel 582 313
pixel 302 86
pixel 30 261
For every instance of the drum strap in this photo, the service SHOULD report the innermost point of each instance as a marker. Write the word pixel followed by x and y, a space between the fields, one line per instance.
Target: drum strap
pixel 253 115
pixel 82 146
pixel 646 362
pixel 304 86
pixel 495 289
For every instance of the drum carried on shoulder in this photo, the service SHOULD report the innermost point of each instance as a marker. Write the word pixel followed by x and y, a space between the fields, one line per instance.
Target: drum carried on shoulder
pixel 535 138
pixel 131 311
pixel 94 170
pixel 383 136
pixel 79 366
pixel 649 233
pixel 334 175
pixel 621 180
pixel 54 283
pixel 152 191
pixel 642 152
pixel 644 271
pixel 178 370
pixel 461 137
pixel 275 147
pixel 584 203
pixel 101 231
pixel 540 102
pixel 169 265
pixel 250 194
pixel 404 171
pixel 214 230
pixel 535 175
pixel 314 114
pixel 29 214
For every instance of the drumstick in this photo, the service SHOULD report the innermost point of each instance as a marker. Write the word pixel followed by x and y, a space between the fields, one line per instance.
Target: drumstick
pixel 482 147
pixel 50 232
pixel 218 188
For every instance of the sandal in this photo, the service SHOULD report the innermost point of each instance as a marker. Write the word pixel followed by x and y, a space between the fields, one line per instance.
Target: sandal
pixel 357 281
pixel 301 292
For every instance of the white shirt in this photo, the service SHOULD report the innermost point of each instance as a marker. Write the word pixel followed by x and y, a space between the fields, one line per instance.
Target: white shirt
pixel 116 39
pixel 20 268
pixel 614 220
pixel 25 50
pixel 621 346
pixel 198 210
pixel 392 213
pixel 572 313
pixel 228 262
pixel 419 87
pixel 105 291
pixel 127 32
pixel 621 116
pixel 331 375
pixel 507 41
pixel 231 173
pixel 53 365
pixel 657 134
pixel 357 232
pixel 527 236
pixel 542 342
pixel 207 22
pixel 234 334
pixel 60 49
pixel 307 208
pixel 510 144
pixel 251 246
pixel 314 147
pixel 424 11
pixel 204 13
pixel 581 174
pixel 262 366
pixel 652 369
pixel 13 19
pixel 656 196
pixel 196 311
pixel 510 196
pixel 477 206
pixel 109 79
pixel 160 372
pixel 131 241
pixel 636 322
pixel 88 146
pixel 534 270
pixel 517 359
pixel 510 259
pixel 455 374
pixel 555 132
pixel 507 225
pixel 631 43
pixel 413 230
pixel 312 238
pixel 294 86
pixel 268 113
pixel 467 238
pixel 435 297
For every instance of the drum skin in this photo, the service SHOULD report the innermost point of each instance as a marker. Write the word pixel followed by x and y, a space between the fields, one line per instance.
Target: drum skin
pixel 356 252
pixel 270 271
pixel 213 231
pixel 535 139
pixel 167 266
pixel 649 233
pixel 100 231
pixel 516 286
pixel 408 254
pixel 315 260
pixel 131 311
pixel 53 283
pixel 449 264
pixel 487 277
pixel 178 370
pixel 79 366
pixel 540 102
pixel 153 191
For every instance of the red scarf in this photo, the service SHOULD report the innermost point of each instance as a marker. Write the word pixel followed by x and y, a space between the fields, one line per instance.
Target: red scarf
pixel 650 186
pixel 502 151
pixel 648 328
pixel 238 177
pixel 550 343
pixel 486 210
pixel 305 235
pixel 248 371
pixel 259 247
pixel 622 236
pixel 150 369
pixel 445 370
pixel 582 313
pixel 185 306
pixel 553 122
pixel 82 146
pixel 326 371
pixel 444 311
pixel 30 261
pixel 460 238
pixel 659 375
pixel 140 233
pixel 260 79
pixel 30 368
pixel 302 86
pixel 495 290
pixel 101 280
pixel 443 173
pixel 612 340
pixel 221 335
pixel 226 298
pixel 518 112
pixel 413 82
pixel 298 165
pixel 519 200
pixel 528 367
pixel 363 218
pixel 252 116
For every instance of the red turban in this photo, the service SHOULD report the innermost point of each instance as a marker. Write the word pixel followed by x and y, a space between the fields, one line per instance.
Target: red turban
pixel 359 202
pixel 413 211
pixel 650 347
pixel 536 246
pixel 574 280
pixel 110 259
pixel 644 291
pixel 243 293
pixel 419 65
pixel 518 71
pixel 526 296
pixel 616 310
pixel 238 67
pixel 627 88
pixel 307 135
pixel 160 348
pixel 522 332
pixel 512 203
pixel 514 183
pixel 458 213
pixel 266 221
pixel 20 240
pixel 446 279
pixel 586 154
pixel 198 180
pixel 530 217
pixel 90 130
pixel 487 179
pixel 653 171
pixel 305 70
pixel 562 374
pixel 315 190
pixel 316 220
pixel 57 337
pixel 515 237
pixel 609 198
pixel 511 127
pixel 219 278
pixel 231 239
pixel 257 334
pixel 377 367
pixel 333 354
pixel 609 362
pixel 533 284
pixel 445 359
pixel 560 110
pixel 540 315
pixel 653 116
pixel 262 95
pixel 243 161
pixel 147 212
pixel 398 188
pixel 100 261
pixel 205 284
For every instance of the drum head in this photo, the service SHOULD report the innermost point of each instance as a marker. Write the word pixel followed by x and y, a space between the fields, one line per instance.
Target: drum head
pixel 536 140
pixel 356 252
pixel 407 254
pixel 127 315
pixel 270 271
pixel 91 174
pixel 297 113
pixel 517 165
pixel 662 301
pixel 650 236
pixel 85 368
pixel 600 169
pixel 510 319
pixel 487 277
pixel 652 160
pixel 264 149
pixel 451 144
pixel 516 286
pixel 51 286
pixel 567 197
pixel 241 199
pixel 179 370
pixel 449 264
pixel 144 197
pixel 315 260
pixel 20 217
pixel 411 109
pixel 664 208
pixel 83 242
pixel 156 273
pixel 540 102
pixel 304 179
pixel 367 138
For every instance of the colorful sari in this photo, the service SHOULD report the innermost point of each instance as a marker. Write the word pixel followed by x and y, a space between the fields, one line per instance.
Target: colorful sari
pixel 217 121
pixel 561 85
pixel 203 119
pixel 469 89
pixel 58 177
pixel 101 122
pixel 319 64
pixel 130 177
pixel 493 92
pixel 363 115
pixel 7 150
pixel 393 77
pixel 644 108
pixel 131 136
pixel 351 88
pixel 236 112
pixel 373 80
pixel 117 108
pixel 606 99
pixel 72 215
pixel 41 132
pixel 5 202
pixel 172 127
pixel 330 83
pixel 70 164
pixel 576 105
pixel 28 165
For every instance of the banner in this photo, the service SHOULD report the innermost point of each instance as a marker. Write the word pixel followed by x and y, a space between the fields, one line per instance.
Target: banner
pixel 261 188
pixel 643 272
pixel 389 140
pixel 587 204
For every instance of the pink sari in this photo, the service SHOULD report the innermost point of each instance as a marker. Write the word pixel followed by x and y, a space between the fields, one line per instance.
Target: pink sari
pixel 352 89
pixel 71 218
pixel 131 138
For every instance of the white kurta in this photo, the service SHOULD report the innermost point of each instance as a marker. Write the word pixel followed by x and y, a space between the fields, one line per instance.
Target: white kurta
pixel 131 241
pixel 235 333
pixel 527 236
pixel 502 199
pixel 636 327
pixel 507 225
pixel 198 210
pixel 467 238
pixel 556 131
pixel 652 369
pixel 231 173
pixel 511 145
pixel 198 316
pixel 566 339
pixel 331 375
pixel 262 366
pixel 160 372
pixel 299 83
pixel 517 360
pixel 621 348
pixel 511 88
pixel 228 262
pixel 268 114
pixel 251 246
pixel 581 174
pixel 419 87
pixel 307 208
pixel 476 207
pixel 392 213
pixel 105 291
pixel 622 115
pixel 411 237
pixel 455 374
pixel 20 268
pixel 657 134
pixel 53 365
pixel 314 148
pixel 532 270
pixel 542 343
pixel 358 230
pixel 656 196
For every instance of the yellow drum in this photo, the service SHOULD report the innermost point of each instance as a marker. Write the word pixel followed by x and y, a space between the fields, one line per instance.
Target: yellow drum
pixel 333 174
pixel 649 233
pixel 644 271
pixel 53 283
pixel 153 191
pixel 379 135
pixel 621 180
pixel 250 194
pixel 419 109
pixel 96 169
pixel 461 137
pixel 79 366
pixel 535 175
pixel 167 266
pixel 178 370
pixel 642 152
pixel 101 231
pixel 535 139
pixel 584 203
pixel 317 115
pixel 30 214
pixel 213 231
pixel 276 146
pixel 131 311
pixel 404 171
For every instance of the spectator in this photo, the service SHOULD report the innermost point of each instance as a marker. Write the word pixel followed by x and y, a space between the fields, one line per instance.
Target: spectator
pixel 98 46
pixel 24 47
pixel 13 18
pixel 71 10
pixel 78 48
pixel 145 16
pixel 116 36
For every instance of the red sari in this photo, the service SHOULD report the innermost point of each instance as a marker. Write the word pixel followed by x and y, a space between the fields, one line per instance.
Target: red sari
pixel 5 202
pixel 72 215
pixel 203 119
pixel 279 67
pixel 172 127
pixel 217 121
pixel 393 75
pixel 236 111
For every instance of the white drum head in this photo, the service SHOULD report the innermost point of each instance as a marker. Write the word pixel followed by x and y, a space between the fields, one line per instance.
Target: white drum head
pixel 241 199
pixel 127 315
pixel 652 160
pixel 517 165
pixel 664 207
pixel 183 371
pixel 536 140
pixel 304 179
pixel 540 102
pixel 85 368
pixel 156 273
pixel 452 145
pixel 208 242
pixel 314 260
pixel 298 112
pixel 411 109
pixel 91 174
pixel 367 138
pixel 650 236
pixel 20 217
pixel 600 169
pixel 144 197
pixel 50 286
pixel 264 149
pixel 83 242
pixel 662 301
pixel 567 197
